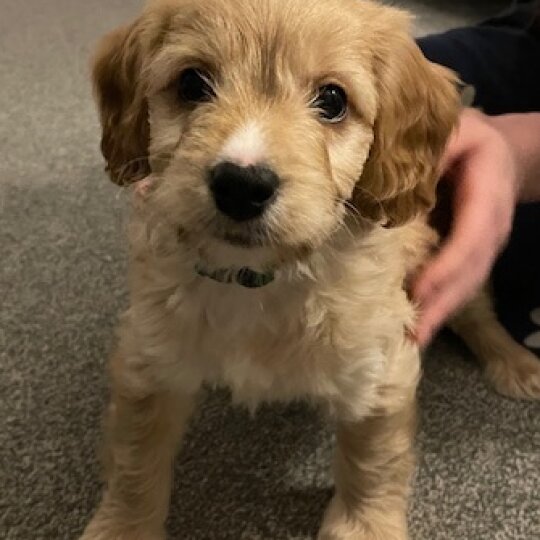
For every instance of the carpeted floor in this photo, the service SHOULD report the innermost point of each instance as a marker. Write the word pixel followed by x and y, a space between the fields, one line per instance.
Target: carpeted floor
pixel 62 284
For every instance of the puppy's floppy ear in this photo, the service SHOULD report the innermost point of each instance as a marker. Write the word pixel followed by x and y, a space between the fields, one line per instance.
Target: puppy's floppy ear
pixel 418 107
pixel 122 104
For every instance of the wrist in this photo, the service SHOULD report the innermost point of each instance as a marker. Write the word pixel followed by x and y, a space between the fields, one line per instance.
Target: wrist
pixel 521 133
pixel 483 137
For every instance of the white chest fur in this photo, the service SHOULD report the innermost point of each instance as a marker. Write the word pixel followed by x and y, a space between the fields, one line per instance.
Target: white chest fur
pixel 330 337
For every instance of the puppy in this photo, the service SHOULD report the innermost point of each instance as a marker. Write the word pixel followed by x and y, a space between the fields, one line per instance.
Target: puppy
pixel 286 157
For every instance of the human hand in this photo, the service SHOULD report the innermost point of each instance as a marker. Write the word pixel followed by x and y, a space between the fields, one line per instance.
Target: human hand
pixel 481 167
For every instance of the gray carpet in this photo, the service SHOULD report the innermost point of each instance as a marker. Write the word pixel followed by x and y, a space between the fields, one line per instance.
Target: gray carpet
pixel 62 284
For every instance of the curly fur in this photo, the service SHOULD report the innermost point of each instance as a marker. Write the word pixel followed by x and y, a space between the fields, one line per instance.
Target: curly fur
pixel 347 228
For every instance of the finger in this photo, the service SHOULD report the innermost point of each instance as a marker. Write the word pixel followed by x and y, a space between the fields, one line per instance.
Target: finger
pixel 443 302
pixel 439 271
pixel 472 245
pixel 435 313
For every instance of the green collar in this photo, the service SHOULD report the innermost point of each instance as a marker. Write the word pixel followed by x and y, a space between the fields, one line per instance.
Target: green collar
pixel 246 277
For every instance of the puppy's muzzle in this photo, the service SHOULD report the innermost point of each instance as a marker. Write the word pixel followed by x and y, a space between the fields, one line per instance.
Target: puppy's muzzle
pixel 242 193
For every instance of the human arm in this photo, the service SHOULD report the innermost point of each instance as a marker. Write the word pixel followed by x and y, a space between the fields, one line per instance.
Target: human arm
pixel 491 163
pixel 522 133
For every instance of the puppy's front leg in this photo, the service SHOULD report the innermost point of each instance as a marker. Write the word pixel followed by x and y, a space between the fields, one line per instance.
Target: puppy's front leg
pixel 374 462
pixel 143 433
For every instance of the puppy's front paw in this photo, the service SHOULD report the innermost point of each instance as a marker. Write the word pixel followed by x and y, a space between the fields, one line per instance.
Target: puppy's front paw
pixel 363 524
pixel 105 525
pixel 100 532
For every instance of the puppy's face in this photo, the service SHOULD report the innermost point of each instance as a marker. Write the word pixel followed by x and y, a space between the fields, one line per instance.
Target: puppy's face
pixel 265 122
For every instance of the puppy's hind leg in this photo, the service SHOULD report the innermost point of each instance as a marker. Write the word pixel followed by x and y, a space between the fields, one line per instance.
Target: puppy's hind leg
pixel 143 430
pixel 513 370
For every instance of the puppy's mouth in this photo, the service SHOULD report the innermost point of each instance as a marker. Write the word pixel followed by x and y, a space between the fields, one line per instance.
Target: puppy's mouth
pixel 241 240
pixel 246 237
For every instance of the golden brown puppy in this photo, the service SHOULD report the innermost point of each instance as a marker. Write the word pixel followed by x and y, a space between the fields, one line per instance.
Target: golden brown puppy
pixel 287 156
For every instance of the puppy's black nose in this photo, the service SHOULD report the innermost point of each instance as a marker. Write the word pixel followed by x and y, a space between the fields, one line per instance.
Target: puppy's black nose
pixel 242 193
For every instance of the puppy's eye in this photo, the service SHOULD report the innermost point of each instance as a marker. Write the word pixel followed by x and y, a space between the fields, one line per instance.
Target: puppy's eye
pixel 331 102
pixel 194 86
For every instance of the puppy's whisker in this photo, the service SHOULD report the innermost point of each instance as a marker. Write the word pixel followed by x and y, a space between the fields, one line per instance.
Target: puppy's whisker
pixel 144 158
pixel 343 225
pixel 352 210
pixel 372 198
pixel 348 205
pixel 125 173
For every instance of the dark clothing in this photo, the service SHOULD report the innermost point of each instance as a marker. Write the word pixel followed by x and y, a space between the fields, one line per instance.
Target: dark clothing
pixel 501 59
